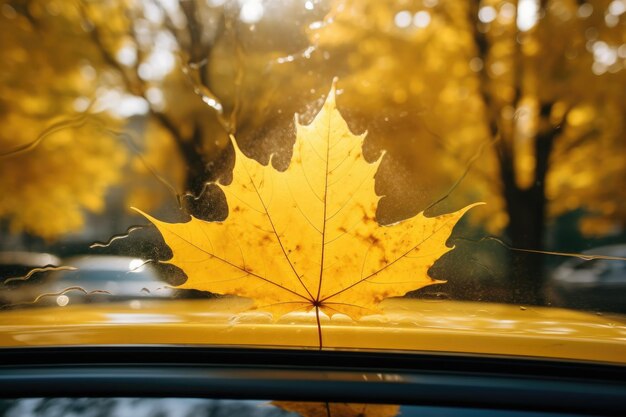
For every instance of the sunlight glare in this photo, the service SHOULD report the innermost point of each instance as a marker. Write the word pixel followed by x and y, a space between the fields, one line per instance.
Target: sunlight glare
pixel 487 14
pixel 251 11
pixel 403 19
pixel 617 7
pixel 527 14
pixel 421 19
pixel 136 265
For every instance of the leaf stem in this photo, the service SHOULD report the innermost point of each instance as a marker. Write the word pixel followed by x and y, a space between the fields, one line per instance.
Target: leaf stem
pixel 319 326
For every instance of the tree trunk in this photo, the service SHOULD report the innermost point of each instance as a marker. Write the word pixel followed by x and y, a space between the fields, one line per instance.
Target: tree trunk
pixel 527 218
pixel 526 230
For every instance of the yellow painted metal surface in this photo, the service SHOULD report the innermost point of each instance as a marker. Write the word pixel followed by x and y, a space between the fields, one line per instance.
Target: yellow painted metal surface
pixel 407 325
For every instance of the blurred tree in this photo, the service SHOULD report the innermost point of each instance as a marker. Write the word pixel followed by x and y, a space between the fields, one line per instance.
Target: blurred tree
pixel 541 83
pixel 73 73
pixel 55 158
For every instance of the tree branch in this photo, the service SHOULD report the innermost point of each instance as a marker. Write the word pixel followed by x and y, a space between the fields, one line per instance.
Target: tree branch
pixel 135 86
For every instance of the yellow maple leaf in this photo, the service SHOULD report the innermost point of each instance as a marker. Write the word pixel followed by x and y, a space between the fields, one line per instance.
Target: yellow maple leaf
pixel 309 409
pixel 308 237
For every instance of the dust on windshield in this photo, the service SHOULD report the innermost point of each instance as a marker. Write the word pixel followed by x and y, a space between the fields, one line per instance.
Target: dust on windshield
pixel 313 156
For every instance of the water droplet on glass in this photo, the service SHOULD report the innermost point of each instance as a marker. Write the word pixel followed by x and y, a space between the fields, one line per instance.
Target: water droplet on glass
pixel 288 58
pixel 63 300
pixel 308 51
pixel 211 102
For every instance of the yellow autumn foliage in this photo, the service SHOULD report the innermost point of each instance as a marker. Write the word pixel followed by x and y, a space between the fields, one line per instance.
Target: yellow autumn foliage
pixel 47 190
pixel 447 92
pixel 442 107
pixel 57 160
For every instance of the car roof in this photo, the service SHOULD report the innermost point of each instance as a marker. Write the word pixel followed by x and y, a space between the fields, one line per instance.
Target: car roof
pixel 408 325
pixel 608 250
pixel 105 262
pixel 28 258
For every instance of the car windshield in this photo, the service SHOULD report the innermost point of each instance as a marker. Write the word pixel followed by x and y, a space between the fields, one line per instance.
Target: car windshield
pixel 382 174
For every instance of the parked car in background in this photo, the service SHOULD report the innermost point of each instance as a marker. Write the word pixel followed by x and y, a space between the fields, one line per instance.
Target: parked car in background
pixel 595 283
pixel 20 270
pixel 89 279
pixel 19 263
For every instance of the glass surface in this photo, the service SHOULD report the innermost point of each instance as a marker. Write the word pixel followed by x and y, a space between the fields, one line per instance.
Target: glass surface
pixel 111 109
pixel 194 407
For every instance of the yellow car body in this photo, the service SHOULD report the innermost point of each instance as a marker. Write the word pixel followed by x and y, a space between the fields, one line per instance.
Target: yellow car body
pixel 406 325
